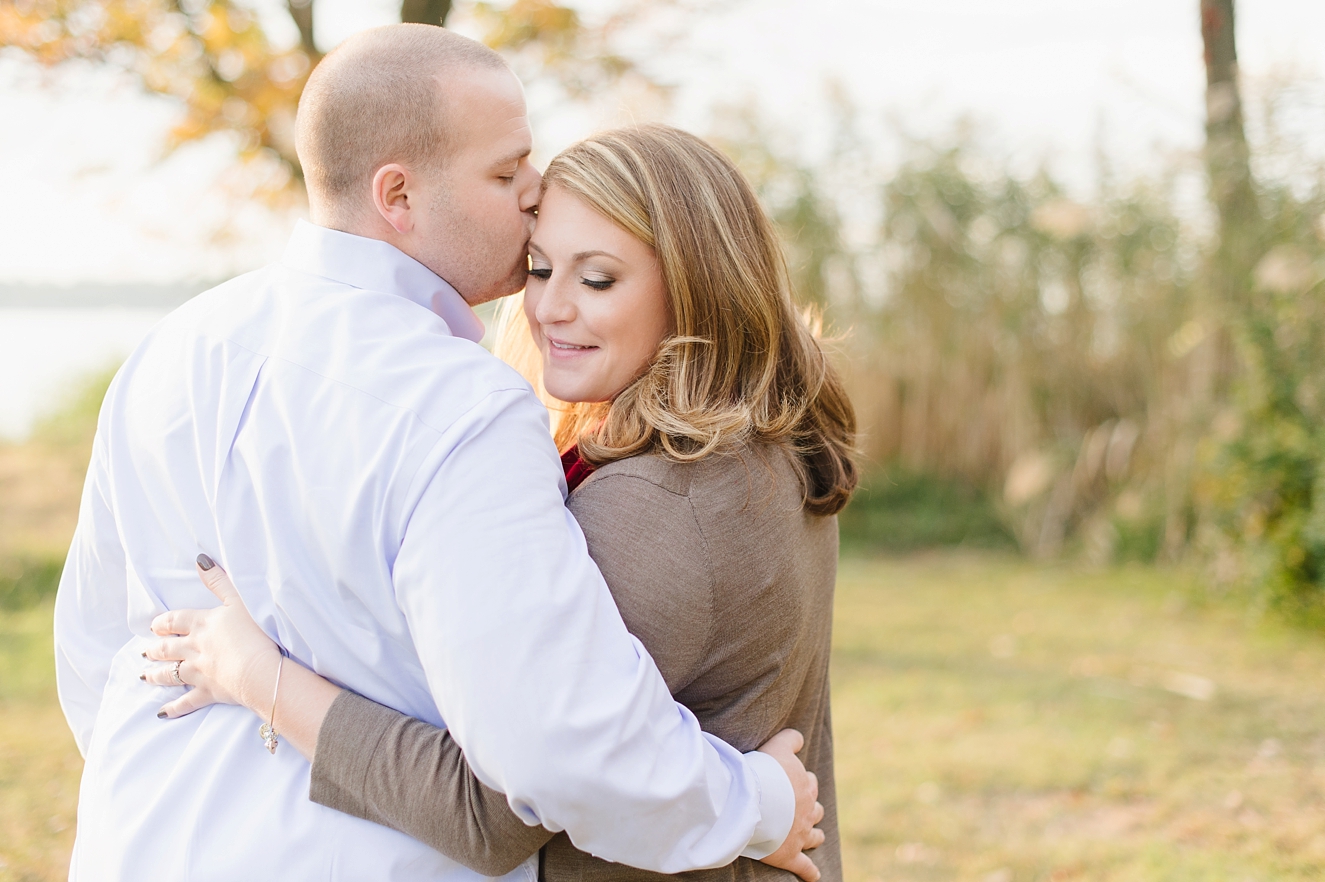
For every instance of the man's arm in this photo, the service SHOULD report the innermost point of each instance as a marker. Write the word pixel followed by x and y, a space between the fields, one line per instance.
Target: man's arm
pixel 91 605
pixel 553 702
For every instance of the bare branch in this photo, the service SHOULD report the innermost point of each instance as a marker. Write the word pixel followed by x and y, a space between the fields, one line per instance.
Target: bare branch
pixel 425 11
pixel 302 13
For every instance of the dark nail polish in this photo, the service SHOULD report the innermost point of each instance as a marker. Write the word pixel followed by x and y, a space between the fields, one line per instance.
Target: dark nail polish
pixel 205 562
pixel 144 655
pixel 142 676
pixel 161 716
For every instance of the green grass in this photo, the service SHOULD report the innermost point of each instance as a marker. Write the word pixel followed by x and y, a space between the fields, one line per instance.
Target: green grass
pixel 996 721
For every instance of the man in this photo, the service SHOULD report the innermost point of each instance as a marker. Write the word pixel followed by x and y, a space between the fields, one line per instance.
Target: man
pixel 387 499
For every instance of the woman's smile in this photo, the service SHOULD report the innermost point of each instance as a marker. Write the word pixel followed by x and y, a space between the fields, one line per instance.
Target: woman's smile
pixel 564 349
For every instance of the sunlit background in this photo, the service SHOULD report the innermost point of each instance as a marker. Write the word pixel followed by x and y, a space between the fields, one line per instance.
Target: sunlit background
pixel 93 198
pixel 1073 262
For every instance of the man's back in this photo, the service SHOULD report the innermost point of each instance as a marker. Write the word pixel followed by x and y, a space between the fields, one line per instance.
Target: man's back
pixel 286 425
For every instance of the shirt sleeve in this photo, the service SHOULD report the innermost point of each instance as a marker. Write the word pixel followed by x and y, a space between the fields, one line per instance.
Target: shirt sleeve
pixel 91 605
pixel 551 699
pixel 380 765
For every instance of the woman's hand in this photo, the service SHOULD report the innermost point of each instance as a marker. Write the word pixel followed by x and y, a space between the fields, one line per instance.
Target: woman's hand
pixel 221 652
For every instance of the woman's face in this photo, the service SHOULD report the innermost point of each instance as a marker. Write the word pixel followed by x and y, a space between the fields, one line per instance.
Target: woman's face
pixel 594 300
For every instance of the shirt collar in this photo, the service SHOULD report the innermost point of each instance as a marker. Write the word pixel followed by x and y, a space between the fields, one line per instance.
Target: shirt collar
pixel 375 265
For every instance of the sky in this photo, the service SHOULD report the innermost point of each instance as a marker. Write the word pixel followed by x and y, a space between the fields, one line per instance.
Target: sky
pixel 88 194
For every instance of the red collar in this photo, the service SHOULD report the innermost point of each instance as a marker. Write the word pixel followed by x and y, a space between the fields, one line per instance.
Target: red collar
pixel 575 467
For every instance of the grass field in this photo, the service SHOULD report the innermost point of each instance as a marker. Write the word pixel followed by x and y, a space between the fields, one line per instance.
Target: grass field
pixel 996 721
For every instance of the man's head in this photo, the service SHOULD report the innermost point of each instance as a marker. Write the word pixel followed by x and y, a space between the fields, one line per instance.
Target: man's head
pixel 418 136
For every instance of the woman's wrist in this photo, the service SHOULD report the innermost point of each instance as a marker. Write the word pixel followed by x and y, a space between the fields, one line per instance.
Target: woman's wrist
pixel 305 699
pixel 258 684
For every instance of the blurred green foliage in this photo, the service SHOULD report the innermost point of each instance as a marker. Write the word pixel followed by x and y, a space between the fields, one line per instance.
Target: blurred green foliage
pixel 1263 472
pixel 26 581
pixel 73 421
pixel 901 511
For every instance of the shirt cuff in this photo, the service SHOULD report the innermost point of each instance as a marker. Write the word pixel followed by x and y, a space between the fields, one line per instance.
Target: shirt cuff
pixel 777 806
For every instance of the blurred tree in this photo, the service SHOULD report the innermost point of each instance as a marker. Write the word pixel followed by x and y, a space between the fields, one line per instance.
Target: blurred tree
pixel 1263 483
pixel 216 59
pixel 1228 157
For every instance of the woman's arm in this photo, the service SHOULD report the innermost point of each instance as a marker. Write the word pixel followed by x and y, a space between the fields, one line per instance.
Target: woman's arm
pixel 368 760
pixel 375 763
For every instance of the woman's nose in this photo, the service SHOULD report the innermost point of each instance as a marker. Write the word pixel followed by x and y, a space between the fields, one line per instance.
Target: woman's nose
pixel 554 306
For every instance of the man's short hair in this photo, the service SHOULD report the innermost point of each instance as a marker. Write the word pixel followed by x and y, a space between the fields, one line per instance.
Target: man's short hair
pixel 379 98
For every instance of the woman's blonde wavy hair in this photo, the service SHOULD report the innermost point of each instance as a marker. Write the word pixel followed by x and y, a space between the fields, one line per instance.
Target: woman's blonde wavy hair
pixel 741 366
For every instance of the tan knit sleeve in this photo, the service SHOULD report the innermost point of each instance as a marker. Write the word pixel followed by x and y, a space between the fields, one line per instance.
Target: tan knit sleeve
pixel 378 764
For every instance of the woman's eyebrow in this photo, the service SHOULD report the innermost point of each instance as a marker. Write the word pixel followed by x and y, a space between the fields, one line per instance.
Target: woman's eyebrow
pixel 587 254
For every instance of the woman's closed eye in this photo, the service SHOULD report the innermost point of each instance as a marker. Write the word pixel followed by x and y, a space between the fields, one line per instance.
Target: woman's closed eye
pixel 597 283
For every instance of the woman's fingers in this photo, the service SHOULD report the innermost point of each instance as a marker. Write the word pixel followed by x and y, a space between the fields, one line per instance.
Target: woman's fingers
pixel 163 674
pixel 176 621
pixel 187 703
pixel 216 579
pixel 169 649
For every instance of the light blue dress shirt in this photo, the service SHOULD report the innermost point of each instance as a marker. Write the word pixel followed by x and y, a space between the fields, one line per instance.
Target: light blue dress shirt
pixel 387 498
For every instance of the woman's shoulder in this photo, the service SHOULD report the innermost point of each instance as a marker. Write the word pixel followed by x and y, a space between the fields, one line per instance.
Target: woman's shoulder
pixel 651 468
pixel 731 473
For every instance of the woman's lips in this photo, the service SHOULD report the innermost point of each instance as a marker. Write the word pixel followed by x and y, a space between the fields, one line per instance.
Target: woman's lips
pixel 564 349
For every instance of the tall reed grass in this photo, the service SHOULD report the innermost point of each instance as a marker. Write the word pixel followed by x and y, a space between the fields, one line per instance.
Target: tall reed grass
pixel 1074 360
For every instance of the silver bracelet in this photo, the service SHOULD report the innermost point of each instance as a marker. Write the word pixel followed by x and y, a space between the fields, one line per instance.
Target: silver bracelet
pixel 268 729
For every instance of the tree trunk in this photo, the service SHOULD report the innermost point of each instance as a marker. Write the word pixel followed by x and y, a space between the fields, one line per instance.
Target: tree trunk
pixel 1228 159
pixel 425 11
pixel 302 13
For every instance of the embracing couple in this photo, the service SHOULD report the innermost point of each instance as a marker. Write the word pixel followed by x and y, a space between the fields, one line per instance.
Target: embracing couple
pixel 429 661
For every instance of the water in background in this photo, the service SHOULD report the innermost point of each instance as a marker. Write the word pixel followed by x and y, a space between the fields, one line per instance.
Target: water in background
pixel 46 351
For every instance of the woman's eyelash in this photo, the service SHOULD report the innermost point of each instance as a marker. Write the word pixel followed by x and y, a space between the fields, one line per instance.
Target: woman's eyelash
pixel 545 273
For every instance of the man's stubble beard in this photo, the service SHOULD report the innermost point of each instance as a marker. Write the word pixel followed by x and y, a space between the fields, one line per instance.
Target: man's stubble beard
pixel 473 256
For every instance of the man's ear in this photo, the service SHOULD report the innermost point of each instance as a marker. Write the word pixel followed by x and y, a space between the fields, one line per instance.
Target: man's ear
pixel 392 196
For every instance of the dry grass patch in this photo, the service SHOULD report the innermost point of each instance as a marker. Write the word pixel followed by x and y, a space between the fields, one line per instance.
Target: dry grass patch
pixel 39 764
pixel 997 721
pixel 39 491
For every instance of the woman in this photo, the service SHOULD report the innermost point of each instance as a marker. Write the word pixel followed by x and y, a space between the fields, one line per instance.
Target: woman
pixel 708 447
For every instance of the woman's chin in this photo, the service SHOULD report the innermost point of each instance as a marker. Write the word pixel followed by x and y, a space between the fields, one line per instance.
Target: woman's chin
pixel 572 393
pixel 567 392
